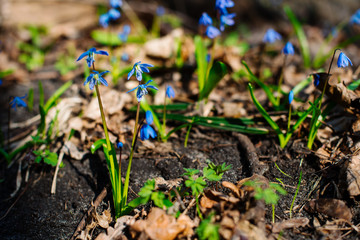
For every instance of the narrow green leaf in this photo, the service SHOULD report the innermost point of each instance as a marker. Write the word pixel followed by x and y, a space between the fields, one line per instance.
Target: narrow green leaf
pixel 56 96
pixel 41 94
pixel 266 89
pixel 108 38
pixel 217 72
pixel 200 53
pixel 30 100
pixel 41 126
pixel 304 45
pixel 98 144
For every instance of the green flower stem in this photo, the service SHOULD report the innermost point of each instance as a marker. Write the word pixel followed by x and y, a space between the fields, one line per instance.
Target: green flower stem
pixel 297 190
pixel 212 53
pixel 281 79
pixel 127 178
pixel 164 118
pixel 289 119
pixel 117 200
pixel 327 79
pixel 273 213
pixel 8 133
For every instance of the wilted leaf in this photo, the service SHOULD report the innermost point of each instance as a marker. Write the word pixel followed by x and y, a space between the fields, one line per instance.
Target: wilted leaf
pixel 331 207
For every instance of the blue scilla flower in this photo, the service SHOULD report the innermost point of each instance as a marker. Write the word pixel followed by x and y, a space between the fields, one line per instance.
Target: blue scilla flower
pixel 146 132
pixel 139 68
pixel 116 3
pixel 125 57
pixel 149 117
pixel 291 96
pixel 114 14
pixel 271 36
pixel 1 81
pixel 160 11
pixel 222 5
pixel 170 93
pixel 208 57
pixel 343 61
pixel 212 32
pixel 18 102
pixel 104 20
pixel 355 19
pixel 119 144
pixel 91 55
pixel 288 49
pixel 205 20
pixel 96 78
pixel 226 19
pixel 316 79
pixel 125 33
pixel 142 90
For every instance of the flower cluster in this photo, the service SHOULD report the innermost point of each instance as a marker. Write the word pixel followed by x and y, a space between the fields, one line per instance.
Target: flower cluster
pixel 205 21
pixel 112 14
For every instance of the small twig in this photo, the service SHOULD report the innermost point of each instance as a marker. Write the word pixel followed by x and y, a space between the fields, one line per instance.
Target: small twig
pixel 82 223
pixel 60 158
pixel 191 204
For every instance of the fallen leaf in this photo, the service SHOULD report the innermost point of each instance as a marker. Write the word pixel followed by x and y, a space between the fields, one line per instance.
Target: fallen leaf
pixel 353 176
pixel 290 223
pixel 331 207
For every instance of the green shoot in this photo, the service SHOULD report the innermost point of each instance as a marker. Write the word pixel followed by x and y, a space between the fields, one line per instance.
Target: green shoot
pixel 208 230
pixel 47 156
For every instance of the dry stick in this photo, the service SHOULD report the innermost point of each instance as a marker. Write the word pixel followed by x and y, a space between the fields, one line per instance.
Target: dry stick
pixel 82 223
pixel 61 156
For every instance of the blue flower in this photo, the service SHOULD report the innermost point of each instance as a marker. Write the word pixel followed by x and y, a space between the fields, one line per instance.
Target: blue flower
pixel 226 19
pixel 205 20
pixel 208 57
pixel 149 117
pixel 355 19
pixel 1 81
pixel 271 36
pixel 125 33
pixel 147 131
pixel 288 49
pixel 96 78
pixel 343 61
pixel 125 57
pixel 291 96
pixel 170 93
pixel 142 90
pixel 91 54
pixel 212 32
pixel 104 20
pixel 114 14
pixel 316 79
pixel 119 144
pixel 18 101
pixel 221 5
pixel 116 3
pixel 160 11
pixel 139 68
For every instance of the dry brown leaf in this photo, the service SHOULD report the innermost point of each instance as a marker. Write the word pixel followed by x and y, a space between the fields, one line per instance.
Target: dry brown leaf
pixel 290 223
pixel 353 176
pixel 160 226
pixel 116 233
pixel 206 202
pixel 233 188
pixel 245 230
pixel 331 207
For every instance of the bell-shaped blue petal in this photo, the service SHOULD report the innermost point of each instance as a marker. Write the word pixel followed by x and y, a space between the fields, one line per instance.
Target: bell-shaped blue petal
pixel 104 20
pixel 205 20
pixel 96 78
pixel 119 144
pixel 149 117
pixel 343 61
pixel 226 19
pixel 288 49
pixel 18 102
pixel 139 68
pixel 160 11
pixel 212 32
pixel 170 93
pixel 116 3
pixel 146 132
pixel 316 79
pixel 114 14
pixel 271 36
pixel 291 96
pixel 355 19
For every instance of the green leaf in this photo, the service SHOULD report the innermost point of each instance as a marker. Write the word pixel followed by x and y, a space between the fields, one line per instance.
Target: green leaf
pixel 208 230
pixel 56 96
pixel 200 53
pixel 278 188
pixel 41 126
pixel 5 155
pixel 211 175
pixel 304 45
pixel 6 73
pixel 197 185
pixel 30 100
pixel 147 189
pixel 217 72
pixel 190 172
pixel 98 144
pixel 51 159
pixel 41 94
pixel 266 89
pixel 38 159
